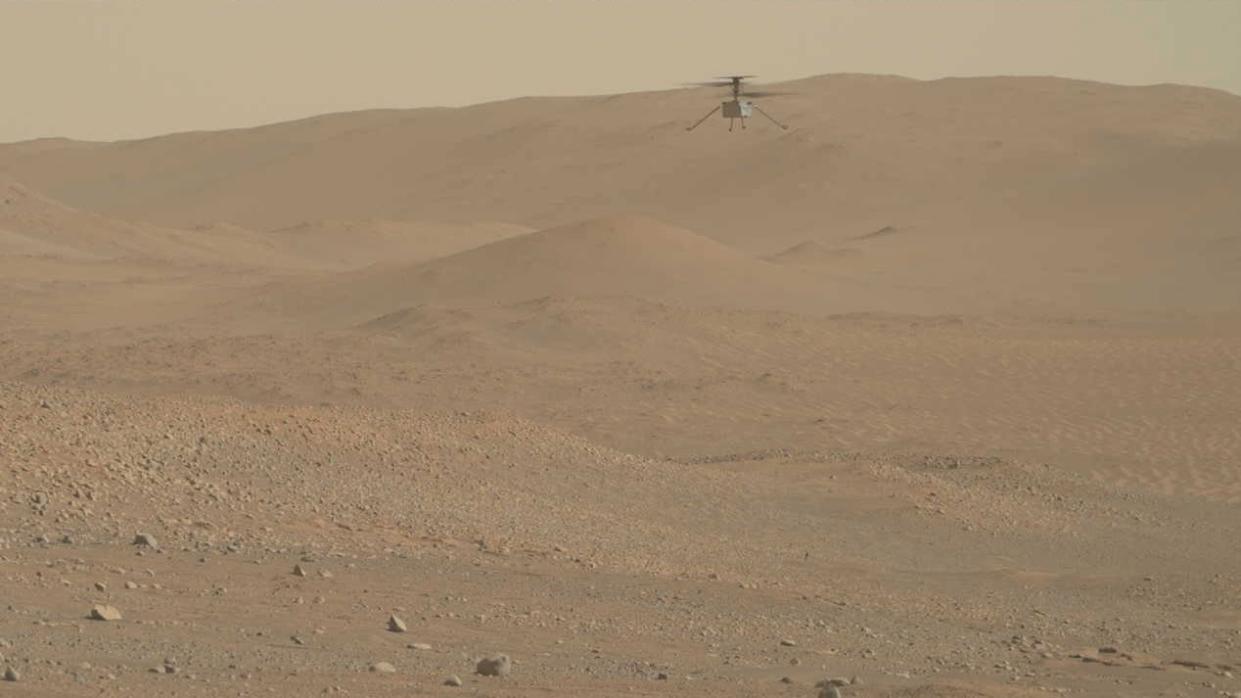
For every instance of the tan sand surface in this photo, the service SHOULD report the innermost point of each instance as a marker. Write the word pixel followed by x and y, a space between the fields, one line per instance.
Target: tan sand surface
pixel 937 393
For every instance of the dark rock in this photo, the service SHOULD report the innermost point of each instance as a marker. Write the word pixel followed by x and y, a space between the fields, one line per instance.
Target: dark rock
pixel 496 665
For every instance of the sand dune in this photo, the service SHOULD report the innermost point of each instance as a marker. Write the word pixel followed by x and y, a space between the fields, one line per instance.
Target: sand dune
pixel 354 244
pixel 620 256
pixel 613 256
pixel 814 255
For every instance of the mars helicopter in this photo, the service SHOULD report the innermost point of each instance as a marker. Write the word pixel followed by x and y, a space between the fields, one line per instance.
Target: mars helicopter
pixel 739 107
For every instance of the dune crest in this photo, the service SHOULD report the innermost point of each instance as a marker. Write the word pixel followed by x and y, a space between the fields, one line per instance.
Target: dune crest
pixel 351 244
pixel 813 254
pixel 621 256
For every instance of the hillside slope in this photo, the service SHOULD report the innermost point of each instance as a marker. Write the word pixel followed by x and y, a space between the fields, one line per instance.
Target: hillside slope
pixel 32 224
pixel 864 151
pixel 1045 194
pixel 616 256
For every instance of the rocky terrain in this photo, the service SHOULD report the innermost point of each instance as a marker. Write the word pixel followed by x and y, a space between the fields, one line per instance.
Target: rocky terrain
pixel 939 400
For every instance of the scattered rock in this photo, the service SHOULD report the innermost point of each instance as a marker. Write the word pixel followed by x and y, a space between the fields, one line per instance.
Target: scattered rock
pixel 453 681
pixel 131 585
pixel 1190 664
pixel 100 586
pixel 10 674
pixel 829 691
pixel 299 571
pixel 383 668
pixel 395 624
pixel 788 643
pixel 101 612
pixel 830 688
pixel 497 665
pixel 420 646
pixel 146 540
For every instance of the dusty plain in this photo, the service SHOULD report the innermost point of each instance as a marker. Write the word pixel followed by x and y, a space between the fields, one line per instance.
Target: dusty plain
pixel 937 393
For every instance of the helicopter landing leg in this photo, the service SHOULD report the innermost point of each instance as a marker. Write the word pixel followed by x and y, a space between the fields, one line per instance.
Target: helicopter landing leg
pixel 770 118
pixel 699 122
pixel 730 125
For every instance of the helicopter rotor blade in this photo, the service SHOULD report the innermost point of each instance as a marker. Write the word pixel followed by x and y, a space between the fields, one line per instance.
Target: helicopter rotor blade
pixel 766 93
pixel 721 81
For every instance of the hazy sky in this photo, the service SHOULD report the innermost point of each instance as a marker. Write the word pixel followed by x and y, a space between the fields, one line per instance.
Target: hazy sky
pixel 113 69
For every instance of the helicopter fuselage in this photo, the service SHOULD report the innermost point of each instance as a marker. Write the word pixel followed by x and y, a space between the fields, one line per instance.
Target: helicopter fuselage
pixel 737 109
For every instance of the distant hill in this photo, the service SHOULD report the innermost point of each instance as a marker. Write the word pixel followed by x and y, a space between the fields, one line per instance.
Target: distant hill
pixel 1004 190
pixel 32 224
pixel 864 150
